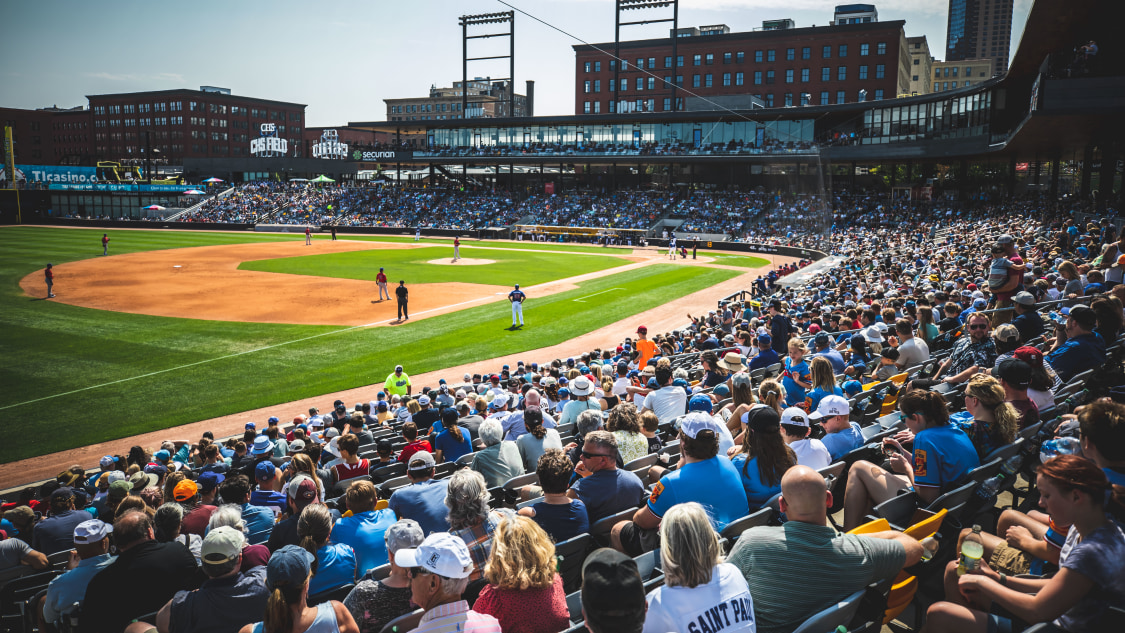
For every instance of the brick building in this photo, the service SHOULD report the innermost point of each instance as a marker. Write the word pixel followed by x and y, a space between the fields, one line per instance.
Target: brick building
pixel 182 123
pixel 961 74
pixel 50 136
pixel 487 99
pixel 828 65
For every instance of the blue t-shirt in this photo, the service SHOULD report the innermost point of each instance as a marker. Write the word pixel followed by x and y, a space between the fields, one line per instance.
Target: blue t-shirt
pixel 794 393
pixel 813 398
pixel 713 483
pixel 757 491
pixel 257 518
pixel 943 455
pixel 765 358
pixel 335 567
pixel 1077 355
pixel 424 502
pixel 608 492
pixel 841 443
pixel 835 358
pixel 562 522
pixel 450 448
pixel 364 532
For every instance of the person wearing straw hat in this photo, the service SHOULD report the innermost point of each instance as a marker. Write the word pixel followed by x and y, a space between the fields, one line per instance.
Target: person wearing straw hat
pixel 732 362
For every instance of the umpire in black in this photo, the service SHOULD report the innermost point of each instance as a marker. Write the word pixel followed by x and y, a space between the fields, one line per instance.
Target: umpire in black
pixel 402 293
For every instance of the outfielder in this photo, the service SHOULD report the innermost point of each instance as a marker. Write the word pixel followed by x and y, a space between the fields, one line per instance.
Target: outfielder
pixel 105 244
pixel 517 297
pixel 308 236
pixel 456 248
pixel 381 281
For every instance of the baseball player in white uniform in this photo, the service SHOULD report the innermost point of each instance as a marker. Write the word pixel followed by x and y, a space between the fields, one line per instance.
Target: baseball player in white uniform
pixel 672 247
pixel 417 233
pixel 517 297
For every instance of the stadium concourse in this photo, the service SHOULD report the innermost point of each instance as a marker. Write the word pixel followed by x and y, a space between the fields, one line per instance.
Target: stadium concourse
pixel 929 382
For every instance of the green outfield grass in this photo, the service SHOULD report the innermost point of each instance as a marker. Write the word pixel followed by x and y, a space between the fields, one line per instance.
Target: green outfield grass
pixel 149 373
pixel 511 267
pixel 745 261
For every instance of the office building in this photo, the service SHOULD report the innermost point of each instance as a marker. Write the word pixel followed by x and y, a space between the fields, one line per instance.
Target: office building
pixel 921 65
pixel 50 136
pixel 855 14
pixel 961 74
pixel 486 99
pixel 979 29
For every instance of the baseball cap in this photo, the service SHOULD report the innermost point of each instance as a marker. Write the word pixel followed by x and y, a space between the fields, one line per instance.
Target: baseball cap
pixel 765 338
pixel 830 406
pixel 209 479
pixel 1024 298
pixel 696 422
pixel 262 445
pixel 642 329
pixel 402 534
pixel 1005 239
pixel 794 416
pixel 272 420
pixel 185 490
pixel 761 418
pixel 721 389
pixel 115 475
pixel 302 490
pixel 250 426
pixel 156 469
pixel 62 494
pixel 422 460
pixel 296 446
pixel 221 545
pixel 403 414
pixel 384 446
pixel 1015 372
pixel 162 456
pixel 289 565
pixel 613 594
pixel 107 461
pixel 91 531
pixel 1084 316
pixel 500 400
pixel 852 387
pixel 821 339
pixel 1006 333
pixel 440 553
pixel 1029 355
pixel 699 402
pixel 118 490
pixel 264 470
pixel 424 401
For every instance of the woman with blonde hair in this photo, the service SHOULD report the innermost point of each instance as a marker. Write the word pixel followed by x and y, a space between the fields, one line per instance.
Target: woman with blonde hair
pixel 335 562
pixel 133 502
pixel 524 591
pixel 995 422
pixel 741 399
pixel 413 407
pixel 823 382
pixel 287 610
pixel 1070 273
pixel 625 424
pixel 610 399
pixel 695 577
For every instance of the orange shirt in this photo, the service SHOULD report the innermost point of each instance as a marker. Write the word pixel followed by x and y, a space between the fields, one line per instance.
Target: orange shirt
pixel 647 349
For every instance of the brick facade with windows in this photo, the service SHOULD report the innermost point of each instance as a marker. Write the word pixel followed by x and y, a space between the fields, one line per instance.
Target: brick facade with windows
pixel 50 136
pixel 775 66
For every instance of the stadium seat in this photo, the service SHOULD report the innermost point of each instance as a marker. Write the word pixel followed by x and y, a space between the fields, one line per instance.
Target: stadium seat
pixel 404 623
pixel 383 473
pixel 338 593
pixel 838 614
pixel 735 528
pixel 599 531
pixel 574 606
pixel 378 573
pixel 570 554
pixel 15 594
pixel 389 486
pixel 466 459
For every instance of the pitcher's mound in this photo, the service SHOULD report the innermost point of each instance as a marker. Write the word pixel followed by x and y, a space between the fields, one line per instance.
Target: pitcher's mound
pixel 464 261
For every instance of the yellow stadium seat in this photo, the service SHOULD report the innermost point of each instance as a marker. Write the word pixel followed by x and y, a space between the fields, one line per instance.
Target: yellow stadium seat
pixel 905 586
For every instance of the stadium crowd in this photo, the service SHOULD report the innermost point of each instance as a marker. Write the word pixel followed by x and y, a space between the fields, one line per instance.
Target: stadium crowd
pixel 681 148
pixel 746 472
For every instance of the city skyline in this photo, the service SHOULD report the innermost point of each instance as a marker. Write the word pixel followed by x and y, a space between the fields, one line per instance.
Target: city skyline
pixel 338 64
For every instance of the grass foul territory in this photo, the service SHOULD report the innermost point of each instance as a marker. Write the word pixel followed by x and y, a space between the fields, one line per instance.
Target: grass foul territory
pixel 128 374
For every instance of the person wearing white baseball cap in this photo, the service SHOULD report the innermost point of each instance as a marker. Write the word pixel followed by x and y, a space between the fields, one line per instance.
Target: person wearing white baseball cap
pixel 704 476
pixel 840 434
pixel 66 593
pixel 795 431
pixel 439 573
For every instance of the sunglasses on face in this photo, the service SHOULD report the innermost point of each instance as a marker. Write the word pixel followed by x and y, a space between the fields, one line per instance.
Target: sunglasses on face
pixel 979 326
pixel 586 455
pixel 417 571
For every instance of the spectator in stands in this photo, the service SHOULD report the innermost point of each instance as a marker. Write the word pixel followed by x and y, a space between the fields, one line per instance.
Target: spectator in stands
pixel 1027 319
pixel 452 442
pixel 1092 565
pixel 580 390
pixel 67 592
pixel 356 427
pixel 235 490
pixel 823 383
pixel 352 465
pixel 714 371
pixel 499 460
pixel 288 577
pixel 299 493
pixel 410 434
pixel 306 465
pixel 943 455
pixel 1110 319
pixel 781 328
pixel 227 601
pixel 336 562
pixel 1081 348
pixel 767 356
pixel 912 351
pixel 669 401
pixel 604 488
pixel 1015 377
pixel 229 515
pixel 559 515
pixel 995 422
pixel 971 353
pixel 763 457
pixel 696 580
pixel 167 524
pixel 703 476
pixel 822 347
pixel 613 595
pixel 780 564
pixel 150 573
pixel 524 592
pixel 364 531
pixel 439 570
pixel 470 517
pixel 860 361
pixel 537 439
pixel 624 422
pixel 196 512
pixel 795 430
pixel 56 532
pixel 14 553
pixel 424 499
pixel 649 426
pixel 266 494
pixel 373 603
pixel 841 435
pixel 796 377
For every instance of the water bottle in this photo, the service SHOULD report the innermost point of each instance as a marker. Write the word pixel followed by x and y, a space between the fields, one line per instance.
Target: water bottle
pixel 972 549
pixel 929 547
pixel 1059 446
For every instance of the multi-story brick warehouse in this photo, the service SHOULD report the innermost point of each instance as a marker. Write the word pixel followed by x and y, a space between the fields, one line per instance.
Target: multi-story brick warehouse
pixel 827 65
pixel 205 123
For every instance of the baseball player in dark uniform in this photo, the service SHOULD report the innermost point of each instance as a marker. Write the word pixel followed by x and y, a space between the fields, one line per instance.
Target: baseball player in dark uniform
pixel 105 244
pixel 49 277
pixel 517 297
pixel 402 293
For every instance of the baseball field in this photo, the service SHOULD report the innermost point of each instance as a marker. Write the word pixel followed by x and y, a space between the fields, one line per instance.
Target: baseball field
pixel 177 327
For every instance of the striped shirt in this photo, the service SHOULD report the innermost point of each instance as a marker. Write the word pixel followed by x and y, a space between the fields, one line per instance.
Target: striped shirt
pixel 456 617
pixel 781 564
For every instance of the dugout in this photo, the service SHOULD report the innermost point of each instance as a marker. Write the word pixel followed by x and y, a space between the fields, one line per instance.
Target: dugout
pixel 589 235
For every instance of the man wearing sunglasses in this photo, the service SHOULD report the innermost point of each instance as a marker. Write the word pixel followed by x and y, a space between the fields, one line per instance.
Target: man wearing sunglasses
pixel 972 353
pixel 606 490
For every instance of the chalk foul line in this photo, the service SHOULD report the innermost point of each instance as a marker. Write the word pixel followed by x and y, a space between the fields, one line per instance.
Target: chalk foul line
pixel 583 299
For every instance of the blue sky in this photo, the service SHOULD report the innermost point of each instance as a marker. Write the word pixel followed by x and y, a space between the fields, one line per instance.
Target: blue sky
pixel 343 57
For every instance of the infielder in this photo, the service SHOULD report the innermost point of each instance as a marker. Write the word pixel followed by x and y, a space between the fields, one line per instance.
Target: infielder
pixel 417 233
pixel 456 248
pixel 105 244
pixel 381 281
pixel 308 236
pixel 517 297
pixel 672 247
pixel 49 277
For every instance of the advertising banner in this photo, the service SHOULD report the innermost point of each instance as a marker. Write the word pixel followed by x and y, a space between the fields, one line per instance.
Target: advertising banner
pixel 381 155
pixel 175 189
pixel 56 174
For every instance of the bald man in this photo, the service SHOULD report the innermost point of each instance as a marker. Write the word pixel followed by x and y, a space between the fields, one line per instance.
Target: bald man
pixel 804 566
